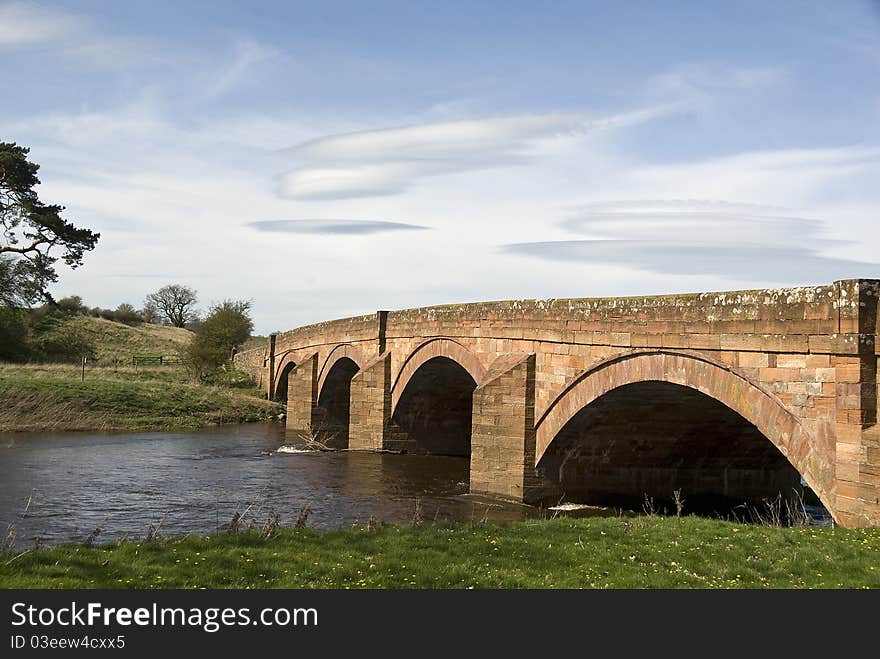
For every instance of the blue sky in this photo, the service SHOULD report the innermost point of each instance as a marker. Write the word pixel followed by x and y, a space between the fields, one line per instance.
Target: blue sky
pixel 329 159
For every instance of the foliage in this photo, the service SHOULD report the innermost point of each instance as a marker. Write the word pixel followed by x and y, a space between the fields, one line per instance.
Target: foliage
pixel 14 334
pixel 175 303
pixel 72 306
pixel 150 313
pixel 31 231
pixel 64 343
pixel 18 287
pixel 227 326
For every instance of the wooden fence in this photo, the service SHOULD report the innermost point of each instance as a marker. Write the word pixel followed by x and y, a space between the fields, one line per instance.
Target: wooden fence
pixel 155 360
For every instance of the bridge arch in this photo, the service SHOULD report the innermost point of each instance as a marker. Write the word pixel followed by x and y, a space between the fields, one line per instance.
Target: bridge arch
pixel 428 350
pixel 333 412
pixel 285 365
pixel 344 351
pixel 432 399
pixel 706 379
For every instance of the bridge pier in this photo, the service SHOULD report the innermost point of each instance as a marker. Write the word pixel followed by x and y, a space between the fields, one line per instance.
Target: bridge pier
pixel 302 397
pixel 503 435
pixel 370 416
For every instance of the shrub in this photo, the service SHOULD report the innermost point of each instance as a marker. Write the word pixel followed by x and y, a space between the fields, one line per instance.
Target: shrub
pixel 64 343
pixel 226 326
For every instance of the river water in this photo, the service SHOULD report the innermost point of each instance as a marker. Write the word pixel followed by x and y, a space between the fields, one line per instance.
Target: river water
pixel 59 488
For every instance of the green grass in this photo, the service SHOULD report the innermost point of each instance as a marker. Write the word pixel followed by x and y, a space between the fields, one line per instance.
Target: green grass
pixel 52 397
pixel 646 552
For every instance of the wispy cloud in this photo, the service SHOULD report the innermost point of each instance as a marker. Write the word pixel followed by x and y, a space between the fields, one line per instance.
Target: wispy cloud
pixel 26 23
pixel 248 55
pixel 688 220
pixel 800 174
pixel 333 227
pixel 703 77
pixel 693 237
pixel 77 41
pixel 388 161
pixel 770 265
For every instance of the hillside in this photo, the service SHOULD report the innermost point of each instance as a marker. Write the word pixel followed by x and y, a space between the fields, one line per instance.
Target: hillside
pixel 115 341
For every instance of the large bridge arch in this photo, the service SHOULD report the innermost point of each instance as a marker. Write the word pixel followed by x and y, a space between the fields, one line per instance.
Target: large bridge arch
pixel 697 372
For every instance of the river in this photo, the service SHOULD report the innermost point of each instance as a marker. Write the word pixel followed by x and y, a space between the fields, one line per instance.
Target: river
pixel 61 487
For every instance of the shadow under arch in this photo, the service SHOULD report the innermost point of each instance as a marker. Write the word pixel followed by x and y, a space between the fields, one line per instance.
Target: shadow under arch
pixel 434 409
pixel 428 350
pixel 700 381
pixel 279 388
pixel 333 413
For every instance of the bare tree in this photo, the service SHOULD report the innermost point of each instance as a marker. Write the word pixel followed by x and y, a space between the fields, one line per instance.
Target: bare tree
pixel 150 313
pixel 175 303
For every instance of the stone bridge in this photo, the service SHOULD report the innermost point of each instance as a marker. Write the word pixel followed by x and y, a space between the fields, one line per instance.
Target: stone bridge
pixel 728 397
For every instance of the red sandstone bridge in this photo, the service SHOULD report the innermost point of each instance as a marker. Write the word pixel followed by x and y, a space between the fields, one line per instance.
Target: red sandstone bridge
pixel 734 395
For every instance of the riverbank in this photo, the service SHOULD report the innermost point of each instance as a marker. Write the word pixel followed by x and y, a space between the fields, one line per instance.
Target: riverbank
pixel 644 552
pixel 42 398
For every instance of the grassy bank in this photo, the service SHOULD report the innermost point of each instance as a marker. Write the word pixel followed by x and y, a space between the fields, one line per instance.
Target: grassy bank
pixel 116 342
pixel 654 552
pixel 52 397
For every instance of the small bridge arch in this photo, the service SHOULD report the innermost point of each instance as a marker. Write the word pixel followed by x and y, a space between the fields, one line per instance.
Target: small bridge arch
pixel 432 398
pixel 343 351
pixel 431 349
pixel 285 365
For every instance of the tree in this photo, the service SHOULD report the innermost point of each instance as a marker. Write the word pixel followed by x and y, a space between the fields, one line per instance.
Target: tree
pixel 175 303
pixel 127 314
pixel 150 313
pixel 72 305
pixel 14 334
pixel 226 326
pixel 31 232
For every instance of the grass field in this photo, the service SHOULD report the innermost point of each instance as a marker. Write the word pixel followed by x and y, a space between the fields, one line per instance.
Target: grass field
pixel 52 397
pixel 643 552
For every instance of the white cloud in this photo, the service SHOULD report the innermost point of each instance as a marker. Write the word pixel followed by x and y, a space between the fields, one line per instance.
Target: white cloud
pixel 388 161
pixel 25 23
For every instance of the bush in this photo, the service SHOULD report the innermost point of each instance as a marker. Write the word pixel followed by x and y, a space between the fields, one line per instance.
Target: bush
pixel 72 306
pixel 64 343
pixel 14 334
pixel 226 326
pixel 127 314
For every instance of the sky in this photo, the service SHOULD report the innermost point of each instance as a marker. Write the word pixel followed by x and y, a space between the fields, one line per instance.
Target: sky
pixel 327 159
